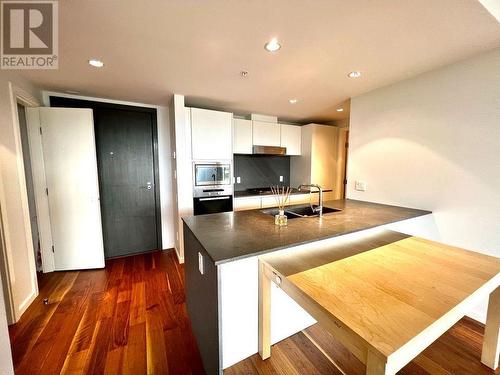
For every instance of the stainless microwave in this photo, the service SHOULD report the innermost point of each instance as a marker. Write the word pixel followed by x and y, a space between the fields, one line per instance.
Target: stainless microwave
pixel 212 178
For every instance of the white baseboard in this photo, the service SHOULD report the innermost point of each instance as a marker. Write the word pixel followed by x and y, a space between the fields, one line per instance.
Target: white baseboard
pixel 179 257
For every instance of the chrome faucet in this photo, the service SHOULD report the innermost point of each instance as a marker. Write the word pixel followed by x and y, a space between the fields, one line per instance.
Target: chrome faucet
pixel 318 209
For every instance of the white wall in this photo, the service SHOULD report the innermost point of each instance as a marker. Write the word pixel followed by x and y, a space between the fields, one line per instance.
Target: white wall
pixel 182 181
pixel 433 142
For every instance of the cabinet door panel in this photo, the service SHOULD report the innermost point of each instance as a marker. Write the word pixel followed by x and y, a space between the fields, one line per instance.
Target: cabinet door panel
pixel 242 139
pixel 212 136
pixel 266 134
pixel 291 139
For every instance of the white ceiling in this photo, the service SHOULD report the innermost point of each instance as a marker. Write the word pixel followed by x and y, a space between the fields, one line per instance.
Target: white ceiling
pixel 197 48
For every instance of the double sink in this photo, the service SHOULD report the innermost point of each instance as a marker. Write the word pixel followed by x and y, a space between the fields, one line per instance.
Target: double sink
pixel 300 210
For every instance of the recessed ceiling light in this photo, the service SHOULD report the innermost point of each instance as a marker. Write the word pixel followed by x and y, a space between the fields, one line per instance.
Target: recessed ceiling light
pixel 354 74
pixel 340 109
pixel 293 101
pixel 272 45
pixel 96 63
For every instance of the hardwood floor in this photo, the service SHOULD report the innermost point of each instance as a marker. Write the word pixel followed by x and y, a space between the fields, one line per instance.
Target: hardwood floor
pixel 131 318
pixel 457 352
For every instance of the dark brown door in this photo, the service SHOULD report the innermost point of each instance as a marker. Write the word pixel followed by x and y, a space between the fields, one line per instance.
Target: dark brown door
pixel 126 175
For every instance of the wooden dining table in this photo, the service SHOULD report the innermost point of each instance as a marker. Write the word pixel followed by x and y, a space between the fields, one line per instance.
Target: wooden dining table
pixel 386 303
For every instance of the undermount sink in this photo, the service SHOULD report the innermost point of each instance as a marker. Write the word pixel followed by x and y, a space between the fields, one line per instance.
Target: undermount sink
pixel 293 212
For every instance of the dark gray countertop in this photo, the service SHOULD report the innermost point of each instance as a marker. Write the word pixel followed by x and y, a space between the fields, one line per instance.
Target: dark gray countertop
pixel 232 236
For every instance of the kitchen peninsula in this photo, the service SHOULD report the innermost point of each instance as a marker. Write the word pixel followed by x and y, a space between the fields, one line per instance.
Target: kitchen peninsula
pixel 221 266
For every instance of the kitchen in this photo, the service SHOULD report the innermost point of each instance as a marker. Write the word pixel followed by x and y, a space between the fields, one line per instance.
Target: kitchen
pixel 247 156
pixel 250 187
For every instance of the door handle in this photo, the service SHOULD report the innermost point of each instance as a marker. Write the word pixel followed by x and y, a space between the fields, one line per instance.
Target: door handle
pixel 214 199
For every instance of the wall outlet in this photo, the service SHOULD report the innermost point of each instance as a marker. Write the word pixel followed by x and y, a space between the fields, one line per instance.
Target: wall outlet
pixel 200 263
pixel 281 178
pixel 238 180
pixel 360 185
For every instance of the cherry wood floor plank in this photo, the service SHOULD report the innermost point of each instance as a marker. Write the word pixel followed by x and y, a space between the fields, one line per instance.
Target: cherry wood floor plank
pixel 343 358
pixel 100 346
pixel 138 303
pixel 135 355
pixel 316 357
pixel 297 358
pixel 86 330
pixel 175 280
pixel 114 362
pixel 75 363
pixel 72 308
pixel 190 346
pixel 55 338
pixel 25 333
pixel 157 361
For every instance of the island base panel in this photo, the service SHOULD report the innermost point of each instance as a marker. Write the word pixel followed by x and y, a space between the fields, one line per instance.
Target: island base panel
pixel 202 301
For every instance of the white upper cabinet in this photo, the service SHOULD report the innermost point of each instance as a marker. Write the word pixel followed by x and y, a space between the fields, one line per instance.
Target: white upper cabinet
pixel 212 135
pixel 242 138
pixel 266 134
pixel 291 137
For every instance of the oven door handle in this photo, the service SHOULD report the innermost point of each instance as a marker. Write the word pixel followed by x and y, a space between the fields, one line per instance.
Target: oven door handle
pixel 214 199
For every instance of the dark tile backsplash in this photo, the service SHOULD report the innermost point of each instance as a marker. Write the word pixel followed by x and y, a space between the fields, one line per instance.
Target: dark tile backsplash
pixel 261 171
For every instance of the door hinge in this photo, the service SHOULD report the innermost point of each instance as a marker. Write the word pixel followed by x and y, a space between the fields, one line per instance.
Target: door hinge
pixel 345 182
pixel 347 145
pixel 40 130
pixel 47 191
pixel 53 249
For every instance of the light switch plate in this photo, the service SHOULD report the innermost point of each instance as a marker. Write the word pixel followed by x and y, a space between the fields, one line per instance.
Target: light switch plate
pixel 360 185
pixel 281 178
pixel 238 180
pixel 200 263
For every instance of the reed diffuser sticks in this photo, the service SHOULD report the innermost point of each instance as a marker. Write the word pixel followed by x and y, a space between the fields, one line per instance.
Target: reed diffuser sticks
pixel 282 196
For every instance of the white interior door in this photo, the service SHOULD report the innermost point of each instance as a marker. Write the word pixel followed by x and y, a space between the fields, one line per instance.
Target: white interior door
pixel 70 162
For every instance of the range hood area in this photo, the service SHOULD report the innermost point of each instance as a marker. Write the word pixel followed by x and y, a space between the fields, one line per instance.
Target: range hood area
pixel 269 150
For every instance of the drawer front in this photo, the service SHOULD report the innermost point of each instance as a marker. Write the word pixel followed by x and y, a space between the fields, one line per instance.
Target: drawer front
pixel 299 198
pixel 241 204
pixel 269 202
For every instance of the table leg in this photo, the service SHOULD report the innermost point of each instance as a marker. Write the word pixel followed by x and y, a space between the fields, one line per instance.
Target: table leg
pixel 491 341
pixel 264 312
pixel 376 365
